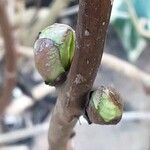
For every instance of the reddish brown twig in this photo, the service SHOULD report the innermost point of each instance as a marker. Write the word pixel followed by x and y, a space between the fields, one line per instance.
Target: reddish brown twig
pixel 10 57
pixel 92 24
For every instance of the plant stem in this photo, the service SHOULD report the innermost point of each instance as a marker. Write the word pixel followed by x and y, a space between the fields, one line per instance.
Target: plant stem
pixel 93 19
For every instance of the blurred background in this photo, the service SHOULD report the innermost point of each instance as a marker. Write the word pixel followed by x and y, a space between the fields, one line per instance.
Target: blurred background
pixel 26 102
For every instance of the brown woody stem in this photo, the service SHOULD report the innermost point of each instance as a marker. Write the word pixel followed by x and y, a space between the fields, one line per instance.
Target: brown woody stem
pixel 93 19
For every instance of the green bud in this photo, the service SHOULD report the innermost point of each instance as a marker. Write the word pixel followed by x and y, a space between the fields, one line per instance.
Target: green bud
pixel 54 51
pixel 105 106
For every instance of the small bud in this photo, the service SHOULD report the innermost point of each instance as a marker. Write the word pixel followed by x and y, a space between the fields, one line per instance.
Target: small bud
pixel 105 107
pixel 53 52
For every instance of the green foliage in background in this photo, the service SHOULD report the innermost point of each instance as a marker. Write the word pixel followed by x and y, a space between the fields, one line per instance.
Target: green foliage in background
pixel 124 24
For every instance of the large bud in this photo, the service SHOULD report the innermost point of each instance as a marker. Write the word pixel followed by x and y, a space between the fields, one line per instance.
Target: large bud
pixel 53 52
pixel 104 107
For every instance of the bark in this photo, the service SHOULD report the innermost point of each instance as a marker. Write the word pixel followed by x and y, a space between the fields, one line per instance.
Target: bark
pixel 93 19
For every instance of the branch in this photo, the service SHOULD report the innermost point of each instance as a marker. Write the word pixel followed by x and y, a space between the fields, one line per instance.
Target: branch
pixel 14 147
pixel 54 10
pixel 109 61
pixel 92 24
pixel 15 136
pixel 127 69
pixel 113 63
pixel 10 57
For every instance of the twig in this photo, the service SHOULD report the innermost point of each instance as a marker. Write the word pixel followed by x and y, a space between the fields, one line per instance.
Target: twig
pixel 10 58
pixel 18 147
pixel 21 50
pixel 127 69
pixel 92 24
pixel 44 90
pixel 35 15
pixel 111 62
pixel 16 107
pixel 54 10
pixel 14 136
pixel 69 11
pixel 138 23
pixel 21 21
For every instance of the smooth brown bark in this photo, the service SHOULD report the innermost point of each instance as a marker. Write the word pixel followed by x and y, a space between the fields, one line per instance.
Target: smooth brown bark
pixel 93 19
pixel 10 57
